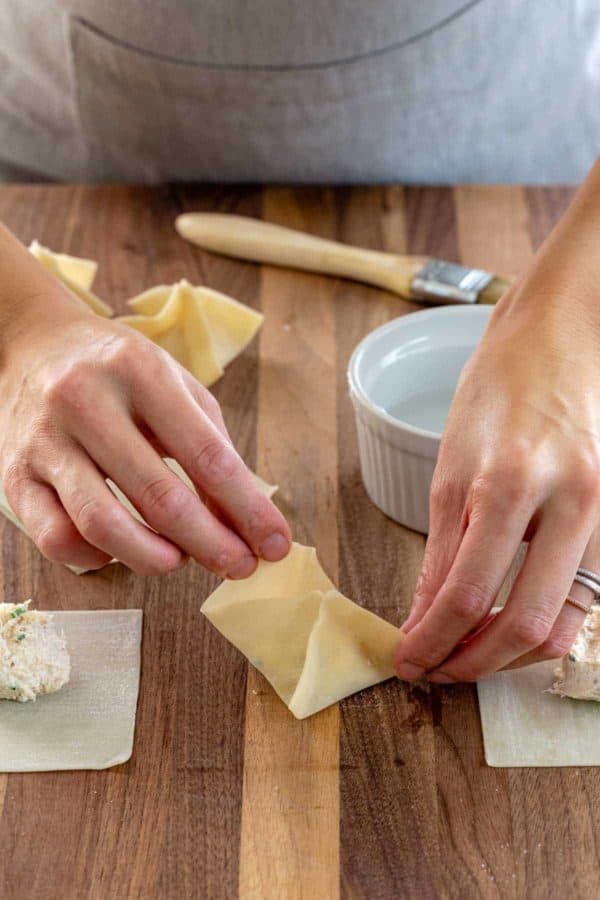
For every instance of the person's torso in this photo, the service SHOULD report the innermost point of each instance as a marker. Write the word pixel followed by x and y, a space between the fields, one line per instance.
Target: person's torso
pixel 324 90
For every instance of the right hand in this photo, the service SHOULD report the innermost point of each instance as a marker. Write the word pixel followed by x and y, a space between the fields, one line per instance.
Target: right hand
pixel 86 398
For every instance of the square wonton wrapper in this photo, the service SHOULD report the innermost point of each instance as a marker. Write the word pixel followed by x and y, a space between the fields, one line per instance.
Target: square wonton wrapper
pixel 525 725
pixel 90 722
pixel 312 644
pixel 267 489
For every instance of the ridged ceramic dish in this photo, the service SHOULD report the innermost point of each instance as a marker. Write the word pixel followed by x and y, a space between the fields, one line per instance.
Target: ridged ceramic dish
pixel 402 378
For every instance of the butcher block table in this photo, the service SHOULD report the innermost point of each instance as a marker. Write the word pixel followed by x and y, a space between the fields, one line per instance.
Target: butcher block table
pixel 386 795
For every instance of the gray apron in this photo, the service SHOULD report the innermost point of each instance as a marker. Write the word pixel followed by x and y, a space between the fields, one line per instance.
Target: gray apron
pixel 310 91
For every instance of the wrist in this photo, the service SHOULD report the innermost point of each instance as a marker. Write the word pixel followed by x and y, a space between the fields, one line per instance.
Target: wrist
pixel 23 314
pixel 564 275
pixel 29 295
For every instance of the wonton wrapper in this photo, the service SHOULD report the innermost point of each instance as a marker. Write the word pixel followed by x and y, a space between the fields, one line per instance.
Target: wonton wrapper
pixel 525 725
pixel 203 329
pixel 313 645
pixel 90 722
pixel 76 273
pixel 267 489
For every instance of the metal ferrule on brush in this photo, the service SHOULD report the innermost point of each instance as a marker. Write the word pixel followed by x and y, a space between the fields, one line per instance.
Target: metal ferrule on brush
pixel 443 282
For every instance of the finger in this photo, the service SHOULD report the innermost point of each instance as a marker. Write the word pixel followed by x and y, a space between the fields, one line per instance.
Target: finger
pixel 214 412
pixel 489 545
pixel 559 641
pixel 210 406
pixel 570 619
pixel 50 528
pixel 104 523
pixel 534 604
pixel 446 529
pixel 217 470
pixel 167 504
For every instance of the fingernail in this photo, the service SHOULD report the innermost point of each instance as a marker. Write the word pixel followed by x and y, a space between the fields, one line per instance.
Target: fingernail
pixel 408 671
pixel 440 678
pixel 243 568
pixel 274 547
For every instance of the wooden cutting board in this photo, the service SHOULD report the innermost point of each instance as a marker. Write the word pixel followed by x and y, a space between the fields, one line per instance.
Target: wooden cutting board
pixel 227 795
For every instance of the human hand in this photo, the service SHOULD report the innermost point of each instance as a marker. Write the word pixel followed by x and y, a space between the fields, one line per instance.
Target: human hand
pixel 519 460
pixel 85 398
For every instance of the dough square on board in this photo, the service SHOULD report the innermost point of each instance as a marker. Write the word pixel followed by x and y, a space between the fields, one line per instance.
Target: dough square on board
pixel 525 725
pixel 89 723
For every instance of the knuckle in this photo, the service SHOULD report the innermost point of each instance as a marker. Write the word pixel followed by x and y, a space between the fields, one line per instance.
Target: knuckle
pixel 96 521
pixel 125 350
pixel 57 541
pixel 219 560
pixel 431 575
pixel 131 357
pixel 424 586
pixel 466 602
pixel 519 454
pixel 164 498
pixel 447 494
pixel 260 520
pixel 438 496
pixel 506 483
pixel 68 387
pixel 16 474
pixel 216 462
pixel 531 630
pixel 584 482
pixel 557 644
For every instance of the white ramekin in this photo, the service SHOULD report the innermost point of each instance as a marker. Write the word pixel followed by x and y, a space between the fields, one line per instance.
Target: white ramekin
pixel 417 355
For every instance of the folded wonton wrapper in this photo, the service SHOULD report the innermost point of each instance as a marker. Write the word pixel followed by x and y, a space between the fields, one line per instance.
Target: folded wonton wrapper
pixel 203 329
pixel 313 645
pixel 76 273
pixel 267 489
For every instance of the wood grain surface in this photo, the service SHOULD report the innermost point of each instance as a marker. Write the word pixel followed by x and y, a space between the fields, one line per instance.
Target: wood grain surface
pixel 226 796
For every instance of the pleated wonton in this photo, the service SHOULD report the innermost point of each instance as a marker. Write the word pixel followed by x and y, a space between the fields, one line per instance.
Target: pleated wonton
pixel 203 329
pixel 312 644
pixel 76 273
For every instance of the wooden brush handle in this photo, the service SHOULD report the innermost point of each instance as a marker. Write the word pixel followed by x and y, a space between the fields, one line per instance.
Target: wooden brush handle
pixel 262 242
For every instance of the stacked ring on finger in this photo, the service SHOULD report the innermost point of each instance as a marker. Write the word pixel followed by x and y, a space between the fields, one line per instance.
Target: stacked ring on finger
pixel 590 580
pixel 579 604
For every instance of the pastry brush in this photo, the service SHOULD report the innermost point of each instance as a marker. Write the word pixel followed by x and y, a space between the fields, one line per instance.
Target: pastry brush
pixel 413 277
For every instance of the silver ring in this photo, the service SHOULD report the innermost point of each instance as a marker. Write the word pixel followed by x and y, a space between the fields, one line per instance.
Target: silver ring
pixel 578 604
pixel 594 576
pixel 589 580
